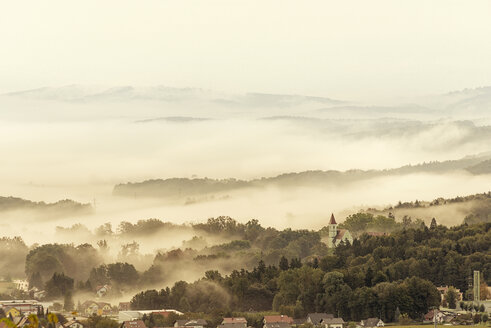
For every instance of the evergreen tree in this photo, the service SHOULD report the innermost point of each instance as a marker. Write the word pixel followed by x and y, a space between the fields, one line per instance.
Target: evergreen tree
pixel 295 263
pixel 284 263
pixel 451 297
pixel 369 277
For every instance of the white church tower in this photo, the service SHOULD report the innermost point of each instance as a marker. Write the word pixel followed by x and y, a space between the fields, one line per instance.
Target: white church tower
pixel 333 231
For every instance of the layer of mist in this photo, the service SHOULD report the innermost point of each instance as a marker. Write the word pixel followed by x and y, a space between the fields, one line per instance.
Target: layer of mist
pixel 288 160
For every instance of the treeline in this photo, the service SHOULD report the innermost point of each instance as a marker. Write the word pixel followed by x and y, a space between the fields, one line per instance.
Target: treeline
pixel 187 188
pixel 367 222
pixel 443 201
pixel 250 242
pixel 243 245
pixel 301 282
pixel 13 253
pixel 60 207
pixel 373 277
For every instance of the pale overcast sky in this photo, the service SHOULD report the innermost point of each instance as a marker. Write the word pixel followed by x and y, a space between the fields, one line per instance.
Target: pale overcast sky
pixel 341 49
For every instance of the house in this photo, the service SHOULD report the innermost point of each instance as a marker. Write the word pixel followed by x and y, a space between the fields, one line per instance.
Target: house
pixel 101 291
pixel 96 308
pixel 74 323
pixel 431 316
pixel 444 289
pixel 335 236
pixel 277 325
pixel 277 319
pixel 133 324
pixel 105 308
pixel 12 313
pixel 22 285
pixel 194 323
pixel 316 318
pixel 298 322
pixel 89 308
pixel 333 322
pixel 233 323
pixel 372 322
pixel 21 307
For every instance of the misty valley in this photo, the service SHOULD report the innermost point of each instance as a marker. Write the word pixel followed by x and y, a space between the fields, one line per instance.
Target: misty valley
pixel 155 206
pixel 245 164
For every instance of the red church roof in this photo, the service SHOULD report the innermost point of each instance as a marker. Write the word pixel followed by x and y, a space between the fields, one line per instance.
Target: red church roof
pixel 333 220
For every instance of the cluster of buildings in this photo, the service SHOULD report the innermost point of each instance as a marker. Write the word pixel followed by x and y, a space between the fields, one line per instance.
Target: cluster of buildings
pixel 447 317
pixel 39 294
pixel 17 308
pixel 90 308
pixel 320 320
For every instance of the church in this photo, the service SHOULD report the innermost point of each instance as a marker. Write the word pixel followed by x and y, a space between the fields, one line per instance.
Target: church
pixel 335 235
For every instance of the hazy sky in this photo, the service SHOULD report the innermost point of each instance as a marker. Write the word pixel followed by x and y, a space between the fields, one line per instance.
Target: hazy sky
pixel 342 49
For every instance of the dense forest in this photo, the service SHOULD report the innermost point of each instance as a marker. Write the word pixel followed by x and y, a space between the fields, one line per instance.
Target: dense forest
pixel 230 266
pixel 372 277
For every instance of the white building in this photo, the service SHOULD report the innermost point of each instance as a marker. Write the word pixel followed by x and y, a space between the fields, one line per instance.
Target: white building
pixel 22 285
pixel 335 236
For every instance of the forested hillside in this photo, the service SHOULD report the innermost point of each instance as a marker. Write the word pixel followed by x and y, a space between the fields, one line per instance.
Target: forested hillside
pixel 400 270
pixel 185 187
pixel 223 265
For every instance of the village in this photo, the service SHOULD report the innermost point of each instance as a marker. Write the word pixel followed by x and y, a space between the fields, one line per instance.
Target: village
pixel 21 314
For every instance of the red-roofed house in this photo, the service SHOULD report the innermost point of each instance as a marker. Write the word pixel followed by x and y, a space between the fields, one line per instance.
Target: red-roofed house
pixel 277 319
pixel 233 323
pixel 133 324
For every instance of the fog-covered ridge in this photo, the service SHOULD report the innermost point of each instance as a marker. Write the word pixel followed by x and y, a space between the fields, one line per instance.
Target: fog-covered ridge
pixel 186 187
pixel 59 208
pixel 79 93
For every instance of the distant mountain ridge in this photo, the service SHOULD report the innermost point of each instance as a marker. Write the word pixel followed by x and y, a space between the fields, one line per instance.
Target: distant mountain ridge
pixel 185 187
pixel 78 93
pixel 59 208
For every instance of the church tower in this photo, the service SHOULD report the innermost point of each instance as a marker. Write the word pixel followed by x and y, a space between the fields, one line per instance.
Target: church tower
pixel 333 230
